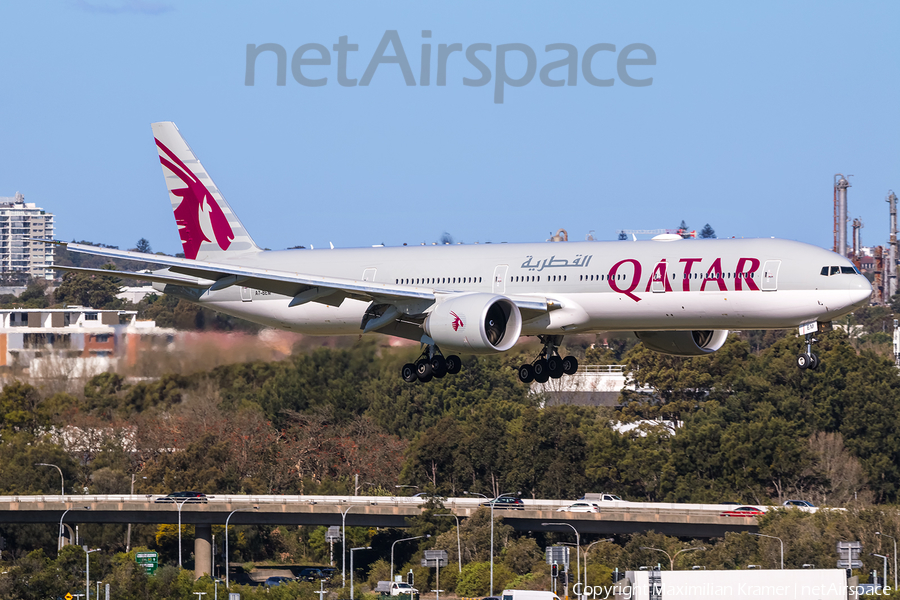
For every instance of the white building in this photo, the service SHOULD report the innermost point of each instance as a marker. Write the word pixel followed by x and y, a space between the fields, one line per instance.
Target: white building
pixel 77 341
pixel 20 220
pixel 591 385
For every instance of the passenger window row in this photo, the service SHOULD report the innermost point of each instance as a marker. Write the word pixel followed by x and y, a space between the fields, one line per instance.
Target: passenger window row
pixel 436 280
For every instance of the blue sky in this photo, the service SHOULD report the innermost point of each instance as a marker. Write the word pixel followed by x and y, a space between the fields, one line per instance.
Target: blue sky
pixel 752 110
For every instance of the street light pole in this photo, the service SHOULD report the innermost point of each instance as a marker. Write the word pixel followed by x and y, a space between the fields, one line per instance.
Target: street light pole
pixel 895 555
pixel 344 546
pixel 392 552
pixel 59 543
pixel 577 549
pixel 62 482
pixel 458 544
pixel 352 550
pixel 586 550
pixel 226 538
pixel 180 504
pixel 774 538
pixel 673 556
pixel 87 572
pixel 492 503
pixel 128 536
pixel 884 573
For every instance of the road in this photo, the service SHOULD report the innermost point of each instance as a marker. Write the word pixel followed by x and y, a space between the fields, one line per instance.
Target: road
pixel 693 520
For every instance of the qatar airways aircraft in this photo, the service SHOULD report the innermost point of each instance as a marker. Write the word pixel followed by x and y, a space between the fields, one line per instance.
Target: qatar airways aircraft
pixel 679 296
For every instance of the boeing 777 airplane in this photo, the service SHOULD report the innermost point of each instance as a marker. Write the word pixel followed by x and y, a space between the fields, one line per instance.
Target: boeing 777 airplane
pixel 679 296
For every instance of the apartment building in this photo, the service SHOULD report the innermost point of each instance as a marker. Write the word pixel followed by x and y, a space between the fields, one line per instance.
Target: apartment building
pixel 19 256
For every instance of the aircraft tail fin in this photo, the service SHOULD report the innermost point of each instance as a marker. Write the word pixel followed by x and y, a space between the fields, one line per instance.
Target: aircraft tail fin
pixel 208 227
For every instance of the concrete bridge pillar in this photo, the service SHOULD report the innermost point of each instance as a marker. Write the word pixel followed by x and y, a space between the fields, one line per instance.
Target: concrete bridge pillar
pixel 202 550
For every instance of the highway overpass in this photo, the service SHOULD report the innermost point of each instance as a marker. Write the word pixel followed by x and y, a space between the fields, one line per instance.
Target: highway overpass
pixel 687 520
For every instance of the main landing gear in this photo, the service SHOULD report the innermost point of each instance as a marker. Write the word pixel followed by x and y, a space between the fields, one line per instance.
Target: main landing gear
pixel 431 364
pixel 549 363
pixel 808 360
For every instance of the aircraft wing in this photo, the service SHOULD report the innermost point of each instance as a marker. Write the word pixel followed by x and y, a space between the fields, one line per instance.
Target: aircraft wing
pixel 302 287
pixel 192 282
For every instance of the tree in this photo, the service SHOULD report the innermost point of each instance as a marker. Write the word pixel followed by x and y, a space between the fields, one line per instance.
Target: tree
pixel 143 245
pixel 94 291
pixel 707 232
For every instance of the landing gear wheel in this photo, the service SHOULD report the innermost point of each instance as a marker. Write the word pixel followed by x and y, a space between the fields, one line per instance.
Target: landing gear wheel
pixel 555 367
pixel 541 371
pixel 438 366
pixel 804 360
pixel 453 364
pixel 423 370
pixel 570 365
pixel 408 372
pixel 813 361
pixel 526 373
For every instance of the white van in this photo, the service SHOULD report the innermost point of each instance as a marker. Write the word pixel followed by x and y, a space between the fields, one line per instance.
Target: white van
pixel 528 595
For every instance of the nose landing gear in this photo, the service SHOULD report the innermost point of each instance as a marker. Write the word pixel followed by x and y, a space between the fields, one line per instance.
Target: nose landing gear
pixel 808 360
pixel 549 363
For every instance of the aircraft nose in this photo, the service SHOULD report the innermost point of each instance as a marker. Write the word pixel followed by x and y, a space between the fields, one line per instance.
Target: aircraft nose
pixel 860 292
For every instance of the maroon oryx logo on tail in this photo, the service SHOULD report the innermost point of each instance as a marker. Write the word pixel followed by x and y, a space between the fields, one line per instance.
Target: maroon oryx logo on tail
pixel 457 321
pixel 199 217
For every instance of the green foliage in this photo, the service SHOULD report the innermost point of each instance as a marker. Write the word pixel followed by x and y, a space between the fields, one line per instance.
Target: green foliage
pixel 90 290
pixel 743 424
pixel 475 579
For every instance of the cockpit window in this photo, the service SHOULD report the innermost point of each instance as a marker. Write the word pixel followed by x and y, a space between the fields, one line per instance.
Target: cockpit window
pixel 839 270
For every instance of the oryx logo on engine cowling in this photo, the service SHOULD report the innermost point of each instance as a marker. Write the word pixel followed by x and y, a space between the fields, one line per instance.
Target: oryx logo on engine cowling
pixel 457 323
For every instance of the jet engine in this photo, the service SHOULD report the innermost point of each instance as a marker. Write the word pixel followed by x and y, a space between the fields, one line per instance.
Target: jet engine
pixel 683 343
pixel 477 323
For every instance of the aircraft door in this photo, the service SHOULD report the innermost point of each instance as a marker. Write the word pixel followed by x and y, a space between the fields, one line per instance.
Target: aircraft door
pixel 246 294
pixel 500 279
pixel 770 275
pixel 369 275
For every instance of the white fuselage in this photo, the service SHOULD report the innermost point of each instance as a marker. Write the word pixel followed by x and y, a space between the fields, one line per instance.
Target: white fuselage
pixel 601 286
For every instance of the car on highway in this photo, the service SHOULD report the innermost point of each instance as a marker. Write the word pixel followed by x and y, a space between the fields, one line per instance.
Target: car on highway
pixel 184 497
pixel 601 497
pixel 743 511
pixel 273 581
pixel 506 502
pixel 799 503
pixel 589 507
pixel 316 574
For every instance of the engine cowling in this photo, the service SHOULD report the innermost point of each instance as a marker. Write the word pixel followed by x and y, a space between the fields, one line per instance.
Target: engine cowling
pixel 477 323
pixel 683 343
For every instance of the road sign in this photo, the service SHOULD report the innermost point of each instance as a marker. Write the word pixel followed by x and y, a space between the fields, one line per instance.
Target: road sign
pixel 148 560
pixel 435 558
pixel 333 534
pixel 69 596
pixel 558 555
pixel 849 550
pixel 849 564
